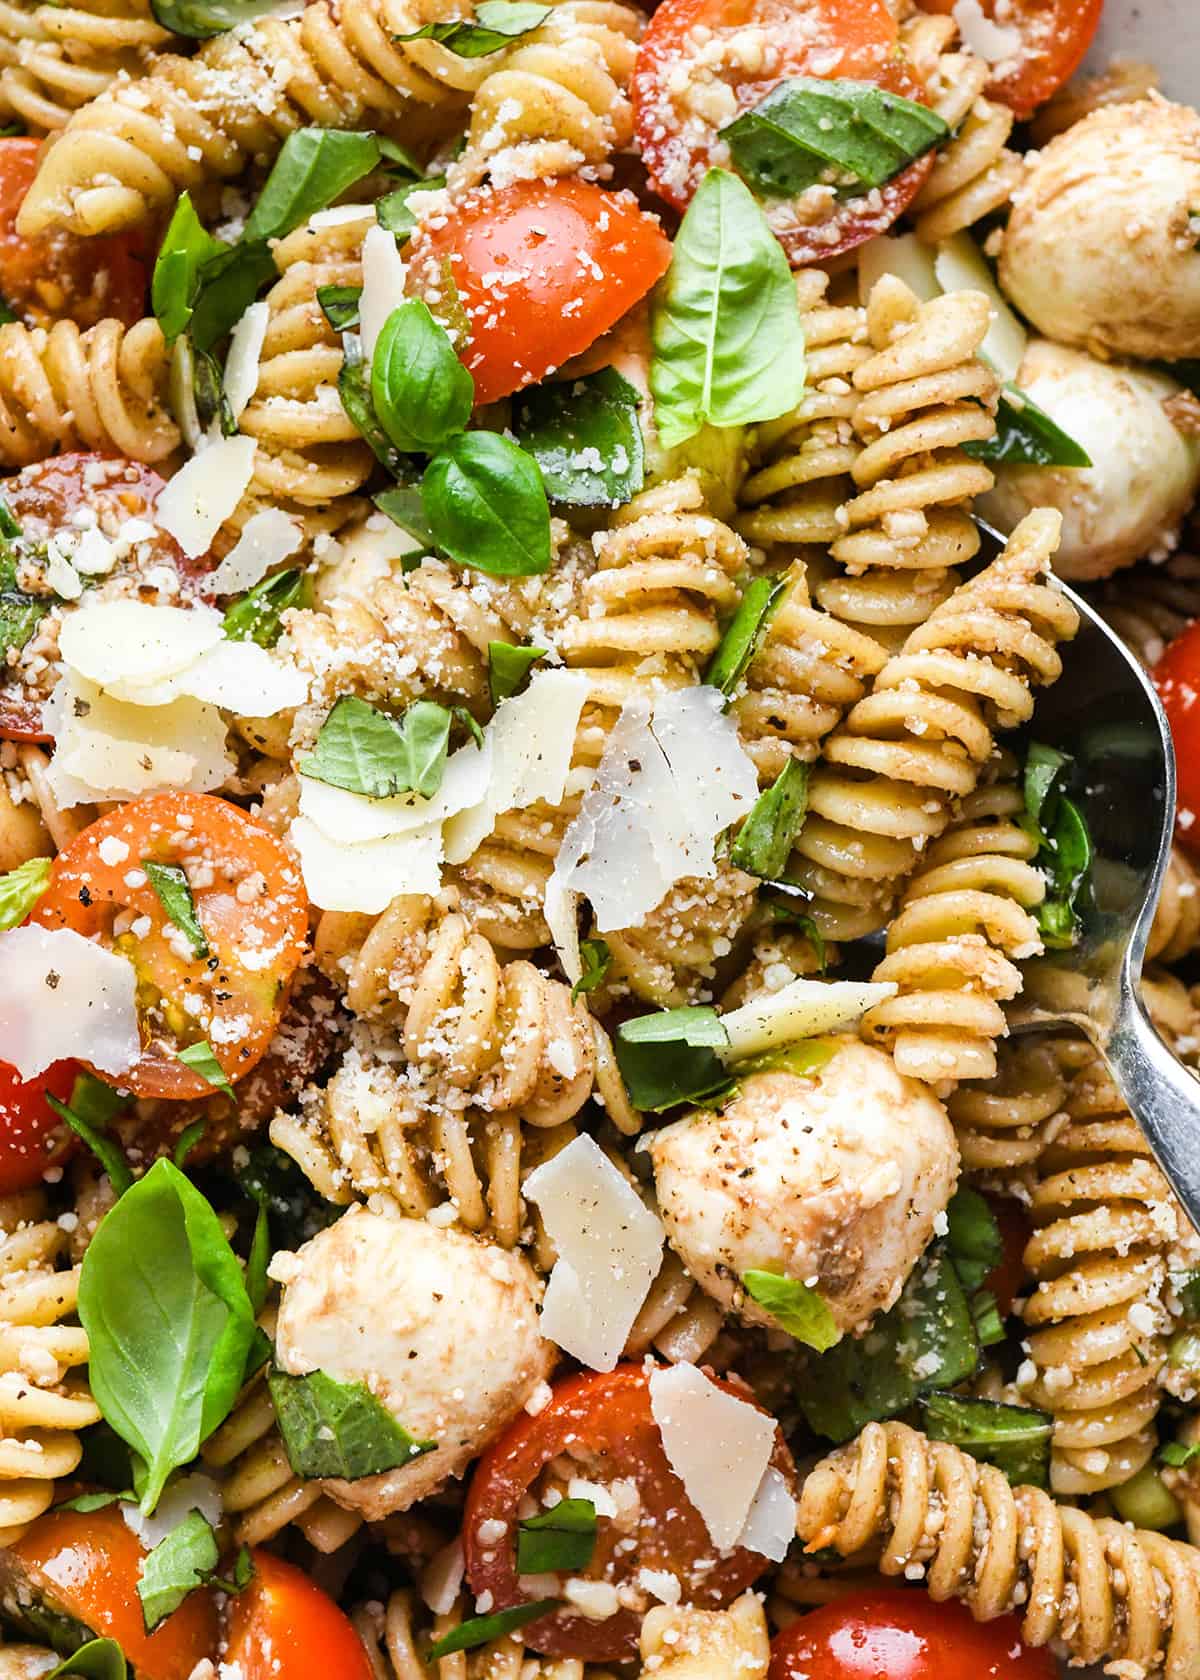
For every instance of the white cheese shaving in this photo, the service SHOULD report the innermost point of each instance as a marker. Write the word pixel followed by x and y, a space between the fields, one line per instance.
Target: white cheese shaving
pixel 339 214
pixel 366 878
pixel 204 492
pixel 561 909
pixel 993 42
pixel 771 1526
pixel 801 1009
pixel 609 1247
pixel 718 1446
pixel 961 267
pixel 109 749
pixel 245 351
pixel 383 285
pixel 903 255
pixel 196 1492
pixel 62 996
pixel 267 539
pixel 442 1578
pixel 240 676
pixel 125 643
pixel 352 818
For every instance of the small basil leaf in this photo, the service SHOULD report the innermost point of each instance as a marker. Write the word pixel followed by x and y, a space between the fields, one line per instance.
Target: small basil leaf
pixel 106 1150
pixel 781 910
pixel 186 247
pixel 20 615
pixel 585 436
pixel 1064 844
pixel 229 284
pixel 276 1183
pixel 10 528
pixel 1027 436
pixel 985 1310
pixel 481 1630
pixel 394 212
pixel 973 1240
pixel 365 751
pixel 20 889
pixel 208 388
pixel 202 1060
pixel 94 1101
pixel 339 305
pixel 338 1429
pixel 486 505
pixel 596 959
pixel 257 616
pixel 421 392
pixel 496 24
pixel 403 506
pixel 201 18
pixel 354 389
pixel 560 1540
pixel 795 1307
pixel 315 166
pixel 728 342
pixel 174 893
pixel 99 1659
pixel 764 842
pixel 175 1567
pixel 85 1503
pixel 745 631
pixel 1174 1453
pixel 1014 1438
pixel 259 1259
pixel 187 1140
pixel 671 1057
pixel 397 159
pixel 508 667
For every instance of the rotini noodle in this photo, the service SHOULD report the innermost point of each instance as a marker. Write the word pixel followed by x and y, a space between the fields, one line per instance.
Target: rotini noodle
pixel 1002 1124
pixel 53 59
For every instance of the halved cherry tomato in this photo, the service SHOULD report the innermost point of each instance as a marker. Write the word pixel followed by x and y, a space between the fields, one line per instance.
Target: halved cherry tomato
pixel 283 1627
pixel 1177 679
pixel 1054 36
pixel 894 1634
pixel 32 1137
pixel 701 62
pixel 1008 1274
pixel 605 1422
pixel 542 268
pixel 249 901
pixel 59 275
pixel 86 1568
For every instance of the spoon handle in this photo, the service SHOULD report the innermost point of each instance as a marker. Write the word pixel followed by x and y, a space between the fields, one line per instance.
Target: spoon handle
pixel 1162 1095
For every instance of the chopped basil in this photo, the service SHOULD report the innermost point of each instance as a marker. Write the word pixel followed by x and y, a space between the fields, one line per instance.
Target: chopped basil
pixel 10 528
pixel 1178 1454
pixel 397 159
pixel 95 1101
pixel 764 842
pixel 402 504
pixel 421 393
pixel 508 667
pixel 560 1540
pixel 20 889
pixel 187 1140
pixel 257 616
pixel 1189 1293
pixel 339 305
pixel 354 389
pixel 179 1564
pixel 1064 845
pixel 7 313
pixel 99 1659
pixel 585 436
pixel 1026 436
pixel 86 1503
pixel 208 388
pixel 496 24
pixel 985 1310
pixel 596 959
pixel 366 751
pixel 229 284
pixel 973 1241
pixel 174 893
pixel 315 167
pixel 670 1057
pixel 276 1183
pixel 728 341
pixel 481 1630
pixel 106 1150
pixel 1014 1438
pixel 795 1307
pixel 810 130
pixel 20 613
pixel 744 632
pixel 782 910
pixel 185 249
pixel 201 18
pixel 486 505
pixel 201 1058
pixel 394 212
pixel 259 1259
pixel 332 1428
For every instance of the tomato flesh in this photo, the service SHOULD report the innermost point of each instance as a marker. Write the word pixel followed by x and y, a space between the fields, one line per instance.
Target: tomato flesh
pixel 541 269
pixel 1008 1274
pixel 1053 37
pixel 893 1634
pixel 283 1627
pixel 248 899
pixel 1177 679
pixel 605 1422
pixel 32 1137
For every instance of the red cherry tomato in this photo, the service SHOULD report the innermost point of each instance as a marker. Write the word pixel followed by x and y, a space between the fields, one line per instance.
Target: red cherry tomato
pixel 87 1568
pixel 684 94
pixel 541 268
pixel 249 901
pixel 893 1634
pixel 1177 679
pixel 59 275
pixel 32 1137
pixel 606 1423
pixel 1008 1274
pixel 283 1627
pixel 1054 36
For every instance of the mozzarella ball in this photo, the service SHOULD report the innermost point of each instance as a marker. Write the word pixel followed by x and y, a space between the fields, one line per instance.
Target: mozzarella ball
pixel 1145 471
pixel 1100 249
pixel 442 1329
pixel 834 1180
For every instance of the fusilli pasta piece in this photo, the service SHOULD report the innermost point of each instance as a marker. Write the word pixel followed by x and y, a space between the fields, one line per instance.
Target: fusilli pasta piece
pixel 396 1636
pixel 57 58
pixel 1002 1123
pixel 1149 606
pixel 1175 933
pixel 671 957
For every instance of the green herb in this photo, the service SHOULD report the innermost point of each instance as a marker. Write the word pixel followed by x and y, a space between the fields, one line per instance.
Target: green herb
pixel 671 1057
pixel 1026 436
pixel 202 1060
pixel 257 1282
pixel 806 1057
pixel 96 1101
pixel 316 166
pixel 229 284
pixel 86 1503
pixel 420 391
pixel 781 910
pixel 764 842
pixel 107 1460
pixel 7 313
pixel 339 305
pixel 243 1573
pixel 486 506
pixel 174 893
pixel 1189 1293
pixel 985 1310
pixel 257 616
pixel 175 1567
pixel 585 436
pixel 744 632
pixel 403 506
pixel 208 388
pixel 20 612
pixel 397 159
pixel 481 1630
pixel 1016 1439
pixel 187 1140
pixel 496 24
pixel 508 667
pixel 168 1321
pixel 99 1659
pixel 201 18
pixel 354 389
pixel 973 1242
pixel 366 751
pixel 276 1183
pixel 795 1307
pixel 106 1150
pixel 596 959
pixel 185 249
pixel 20 889
pixel 809 130
pixel 338 1429
pixel 1176 1453
pixel 728 342
pixel 395 213
pixel 1064 845
pixel 560 1540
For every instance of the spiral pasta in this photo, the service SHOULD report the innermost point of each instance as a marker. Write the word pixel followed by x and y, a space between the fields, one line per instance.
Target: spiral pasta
pixel 671 957
pixel 396 1635
pixel 1175 932
pixel 1150 605
pixel 1002 1124
pixel 53 59
pixel 1098 1590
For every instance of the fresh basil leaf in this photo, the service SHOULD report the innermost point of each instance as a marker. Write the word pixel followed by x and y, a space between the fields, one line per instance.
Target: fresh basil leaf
pixel 989 1326
pixel 174 893
pixel 257 616
pixel 20 615
pixel 397 159
pixel 202 1060
pixel 186 247
pixel 107 1461
pixel 421 392
pixel 187 1140
pixel 99 1659
pixel 795 1307
pixel 790 140
pixel 7 313
pixel 315 166
pixel 276 1183
pixel 1016 1439
pixel 585 436
pixel 10 527
pixel 95 1101
pixel 481 1630
pixel 208 388
pixel 973 1241
pixel 394 212
pixel 168 1320
pixel 1044 766
pixel 86 1503
pixel 1026 436
pixel 339 305
pixel 671 1057
pixel 20 889
pixel 744 633
pixel 764 842
pixel 201 18
pixel 596 959
pixel 1064 853
pixel 354 389
pixel 1174 1453
pixel 560 1540
pixel 257 1282
pixel 403 506
pixel 229 284
pixel 175 1567
pixel 1188 1291
pixel 496 24
pixel 243 1574
pixel 508 667
pixel 782 910
pixel 106 1150
pixel 728 341
pixel 365 751
pixel 331 1428
pixel 486 505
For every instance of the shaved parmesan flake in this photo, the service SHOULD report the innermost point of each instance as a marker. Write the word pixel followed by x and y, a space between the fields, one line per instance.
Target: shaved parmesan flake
pixel 561 909
pixel 266 540
pixel 352 818
pixel 383 285
pixel 109 749
pixel 718 1446
pixel 241 364
pixel 442 1578
pixel 240 676
pixel 532 738
pixel 123 643
pixel 993 42
pixel 673 777
pixel 801 1009
pixel 903 255
pixel 609 1252
pixel 367 878
pixel 339 214
pixel 60 996
pixel 771 1526
pixel 204 492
